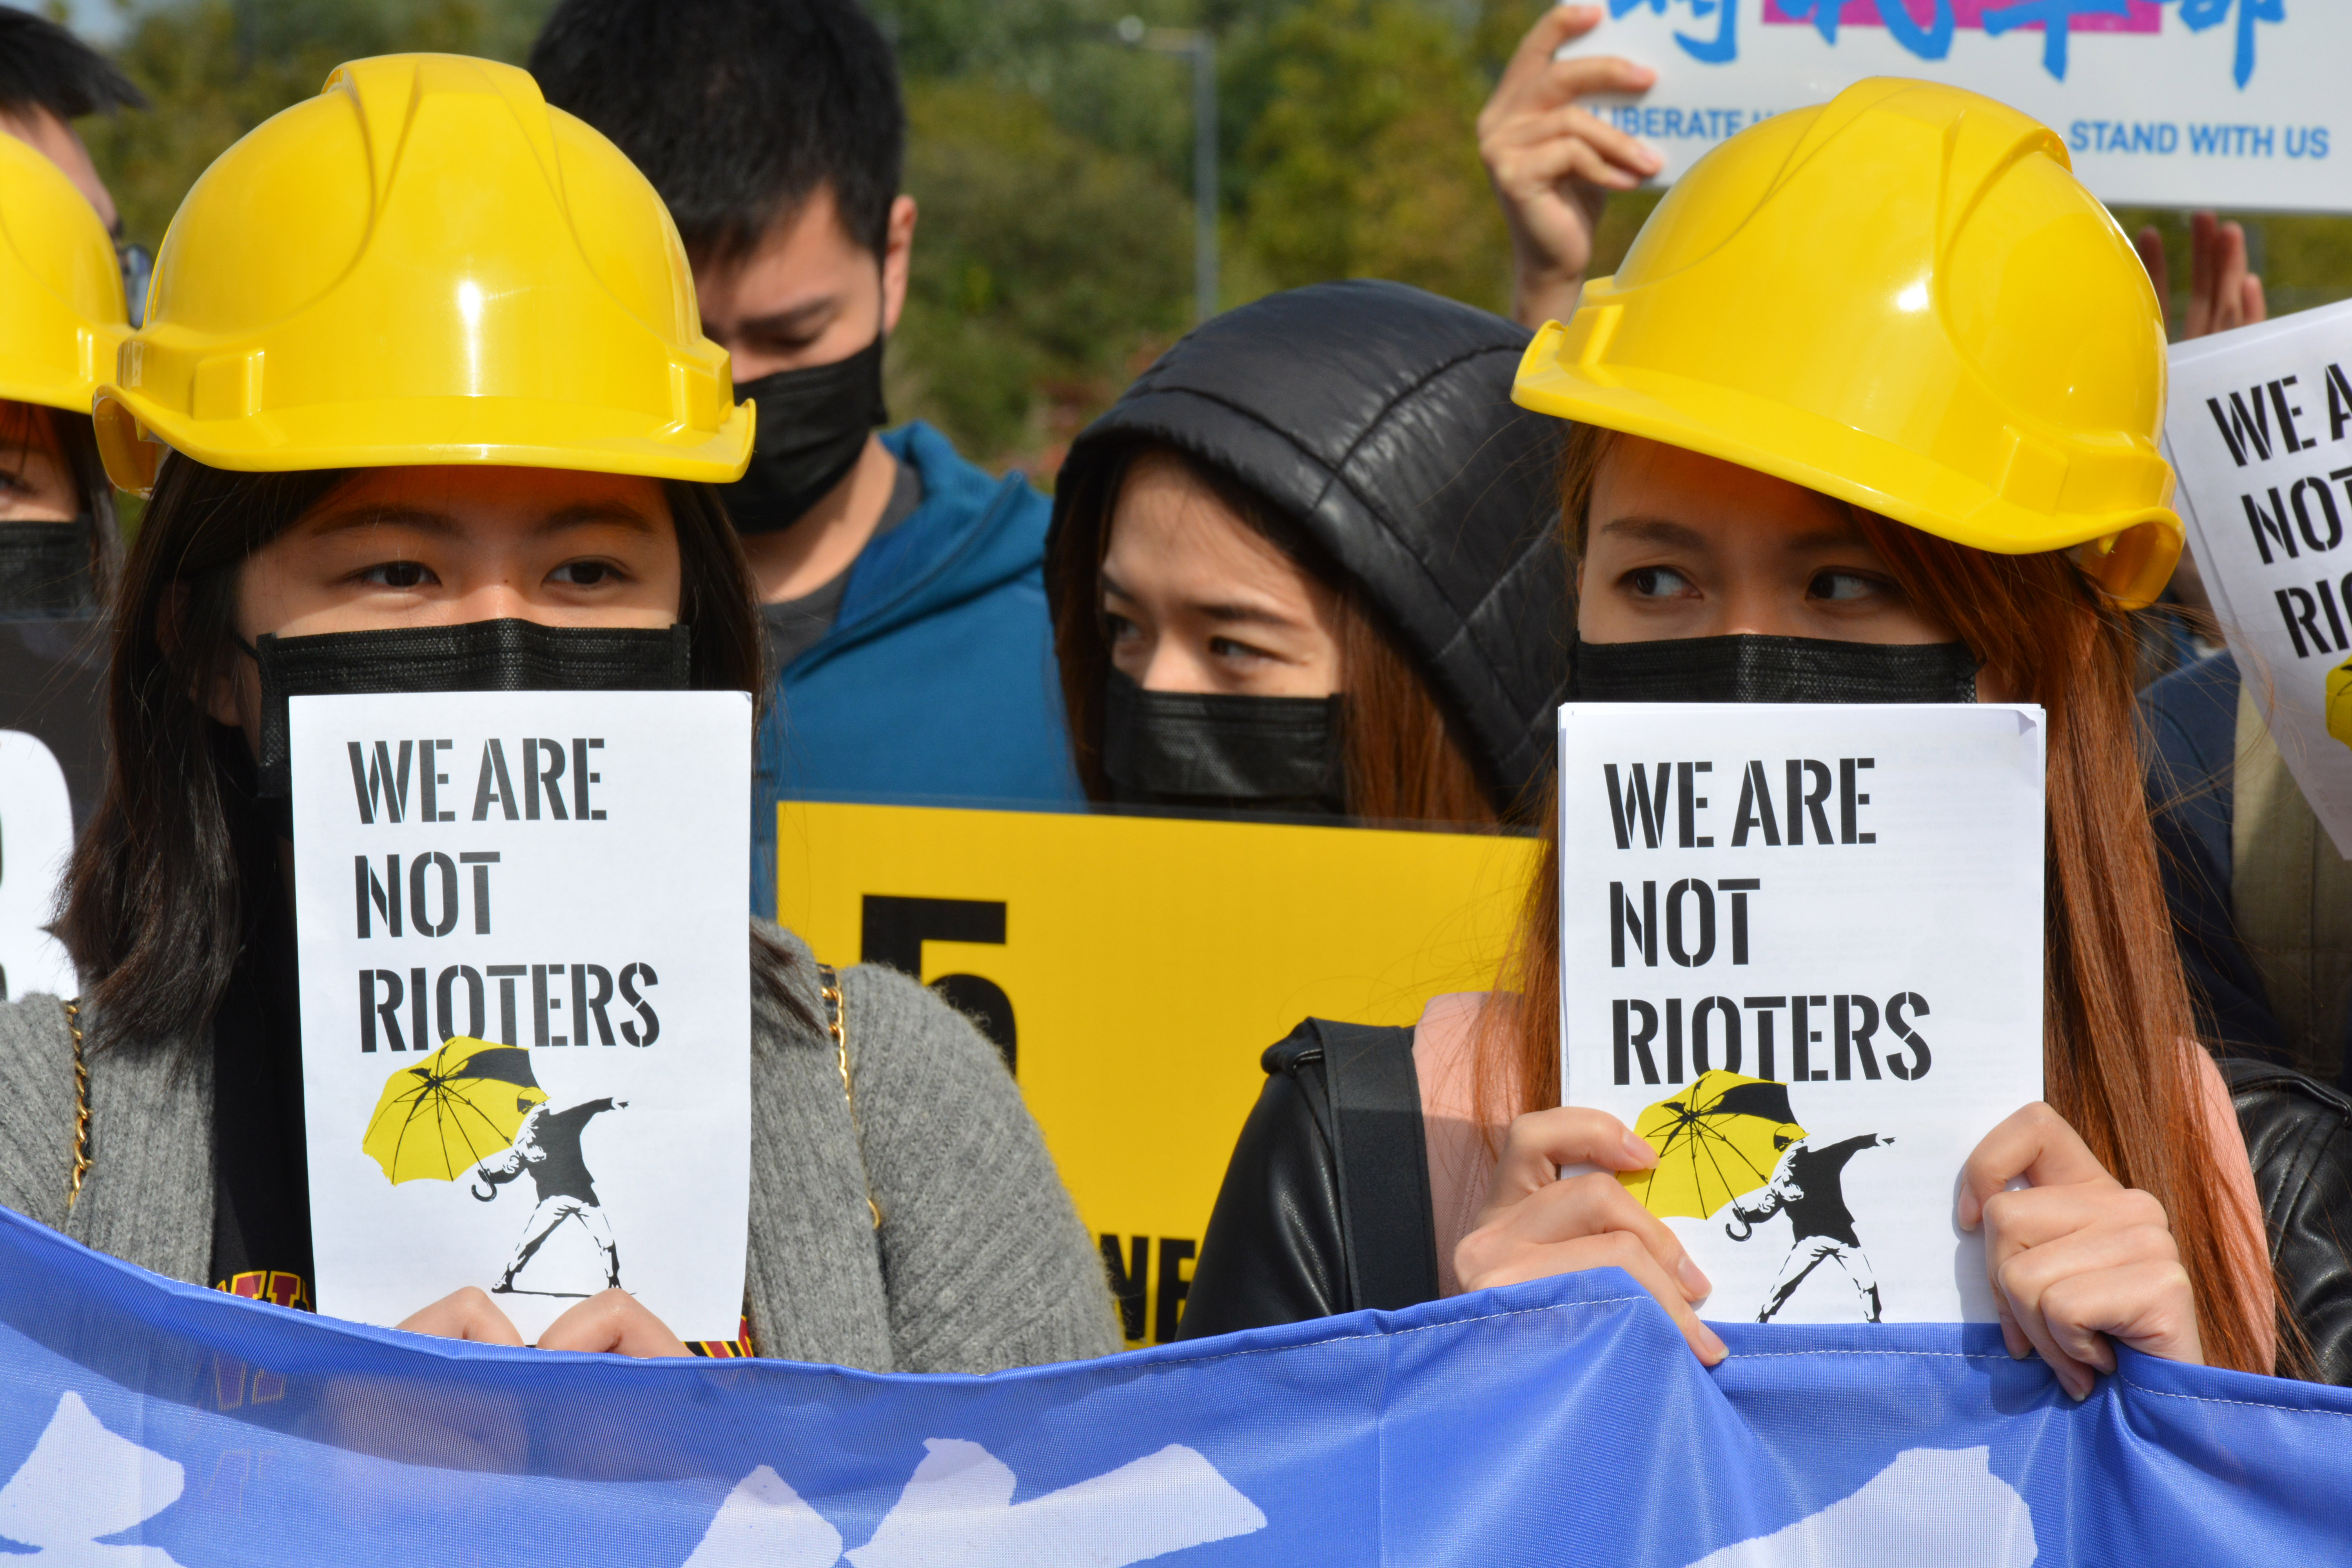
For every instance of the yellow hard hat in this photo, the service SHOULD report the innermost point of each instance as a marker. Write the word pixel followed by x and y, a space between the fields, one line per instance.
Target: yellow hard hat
pixel 423 264
pixel 61 312
pixel 1903 299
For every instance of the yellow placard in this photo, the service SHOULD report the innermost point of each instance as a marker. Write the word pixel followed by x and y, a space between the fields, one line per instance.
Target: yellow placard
pixel 1139 966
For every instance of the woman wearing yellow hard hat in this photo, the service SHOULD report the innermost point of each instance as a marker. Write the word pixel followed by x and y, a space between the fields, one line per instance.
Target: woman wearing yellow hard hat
pixel 422 405
pixel 61 318
pixel 1869 413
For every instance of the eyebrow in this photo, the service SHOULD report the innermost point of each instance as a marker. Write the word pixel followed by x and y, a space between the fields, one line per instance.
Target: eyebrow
pixel 587 514
pixel 1223 613
pixel 1659 531
pixel 796 320
pixel 1669 534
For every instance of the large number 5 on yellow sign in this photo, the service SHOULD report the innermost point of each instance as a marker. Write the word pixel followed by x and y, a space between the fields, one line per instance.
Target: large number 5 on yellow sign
pixel 1132 970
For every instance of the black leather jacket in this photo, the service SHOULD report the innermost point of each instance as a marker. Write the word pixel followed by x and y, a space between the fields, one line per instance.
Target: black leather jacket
pixel 1325 1206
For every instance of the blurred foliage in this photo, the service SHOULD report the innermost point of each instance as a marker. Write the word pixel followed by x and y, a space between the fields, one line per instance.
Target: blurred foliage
pixel 1054 166
pixel 1364 160
pixel 1043 265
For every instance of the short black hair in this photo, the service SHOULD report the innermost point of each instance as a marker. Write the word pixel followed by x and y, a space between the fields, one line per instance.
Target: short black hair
pixel 738 110
pixel 43 66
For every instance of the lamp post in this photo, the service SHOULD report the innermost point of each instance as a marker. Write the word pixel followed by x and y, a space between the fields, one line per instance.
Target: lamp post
pixel 1197 43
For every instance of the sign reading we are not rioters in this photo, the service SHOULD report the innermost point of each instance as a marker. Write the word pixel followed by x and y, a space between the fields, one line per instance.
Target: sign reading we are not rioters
pixel 1801 955
pixel 2260 431
pixel 526 999
pixel 2232 103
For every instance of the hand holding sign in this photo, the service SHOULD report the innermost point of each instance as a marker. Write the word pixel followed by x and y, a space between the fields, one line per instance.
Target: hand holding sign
pixel 1554 162
pixel 1538 1223
pixel 2076 1256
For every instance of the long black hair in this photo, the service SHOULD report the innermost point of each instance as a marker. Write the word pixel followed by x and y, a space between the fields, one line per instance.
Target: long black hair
pixel 156 910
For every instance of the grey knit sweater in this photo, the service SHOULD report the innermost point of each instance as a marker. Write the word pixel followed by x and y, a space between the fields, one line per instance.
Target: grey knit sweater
pixel 981 1263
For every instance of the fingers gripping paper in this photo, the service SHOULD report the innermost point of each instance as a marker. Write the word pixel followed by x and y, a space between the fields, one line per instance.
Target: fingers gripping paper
pixel 526 1006
pixel 1801 956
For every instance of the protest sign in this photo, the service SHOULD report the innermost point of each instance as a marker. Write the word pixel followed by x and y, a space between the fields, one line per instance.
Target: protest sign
pixel 2160 102
pixel 1135 968
pixel 526 999
pixel 52 767
pixel 1802 958
pixel 2257 432
pixel 1563 1420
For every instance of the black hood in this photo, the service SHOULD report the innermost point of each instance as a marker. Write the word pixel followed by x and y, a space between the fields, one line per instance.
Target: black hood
pixel 1378 418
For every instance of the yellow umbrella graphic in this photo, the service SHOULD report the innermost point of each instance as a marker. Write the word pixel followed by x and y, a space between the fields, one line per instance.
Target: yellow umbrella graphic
pixel 440 1116
pixel 2339 702
pixel 1715 1142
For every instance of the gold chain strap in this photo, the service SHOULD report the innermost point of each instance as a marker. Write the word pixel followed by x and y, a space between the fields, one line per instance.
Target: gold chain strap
pixel 81 1156
pixel 836 1022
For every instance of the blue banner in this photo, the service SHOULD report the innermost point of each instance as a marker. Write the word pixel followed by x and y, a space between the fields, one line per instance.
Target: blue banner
pixel 145 1424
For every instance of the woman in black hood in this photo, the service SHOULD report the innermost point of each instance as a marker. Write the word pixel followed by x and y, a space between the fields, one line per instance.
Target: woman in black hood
pixel 1310 562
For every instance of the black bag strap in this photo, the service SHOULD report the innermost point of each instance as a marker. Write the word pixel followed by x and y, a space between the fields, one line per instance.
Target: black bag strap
pixel 1383 1163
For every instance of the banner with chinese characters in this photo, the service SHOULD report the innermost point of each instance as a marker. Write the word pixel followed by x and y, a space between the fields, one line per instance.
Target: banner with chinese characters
pixel 2233 104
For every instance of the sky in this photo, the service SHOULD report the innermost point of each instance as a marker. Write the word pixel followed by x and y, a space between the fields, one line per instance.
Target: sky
pixel 100 21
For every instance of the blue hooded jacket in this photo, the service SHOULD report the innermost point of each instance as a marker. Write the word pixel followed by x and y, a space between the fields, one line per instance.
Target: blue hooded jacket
pixel 937 682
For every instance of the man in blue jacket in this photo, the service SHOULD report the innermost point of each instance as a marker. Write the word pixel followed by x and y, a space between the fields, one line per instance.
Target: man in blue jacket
pixel 901 585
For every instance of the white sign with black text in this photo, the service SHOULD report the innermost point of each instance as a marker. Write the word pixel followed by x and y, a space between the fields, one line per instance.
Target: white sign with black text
pixel 2258 432
pixel 526 999
pixel 1801 955
pixel 2234 103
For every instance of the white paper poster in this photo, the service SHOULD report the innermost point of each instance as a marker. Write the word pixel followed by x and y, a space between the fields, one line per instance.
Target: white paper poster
pixel 2234 103
pixel 1800 953
pixel 526 999
pixel 2257 432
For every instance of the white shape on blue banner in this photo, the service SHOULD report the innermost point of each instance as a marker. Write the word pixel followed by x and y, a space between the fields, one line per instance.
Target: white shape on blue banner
pixel 82 1481
pixel 958 1508
pixel 1943 1506
pixel 763 1523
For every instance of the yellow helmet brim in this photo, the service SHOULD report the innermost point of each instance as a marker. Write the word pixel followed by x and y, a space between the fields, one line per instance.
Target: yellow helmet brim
pixel 2130 555
pixel 420 431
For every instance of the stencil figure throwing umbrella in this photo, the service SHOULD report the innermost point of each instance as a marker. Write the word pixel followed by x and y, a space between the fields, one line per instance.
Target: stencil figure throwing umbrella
pixel 547 1145
pixel 1808 1185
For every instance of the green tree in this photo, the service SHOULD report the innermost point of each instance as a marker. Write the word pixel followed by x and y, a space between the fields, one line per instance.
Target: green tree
pixel 1044 266
pixel 1363 161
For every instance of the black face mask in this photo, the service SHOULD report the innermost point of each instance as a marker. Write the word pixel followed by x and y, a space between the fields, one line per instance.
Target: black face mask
pixel 813 424
pixel 1748 669
pixel 1214 752
pixel 45 568
pixel 479 656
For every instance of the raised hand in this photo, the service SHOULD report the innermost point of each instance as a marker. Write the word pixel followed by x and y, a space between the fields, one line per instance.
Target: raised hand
pixel 1554 163
pixel 2222 294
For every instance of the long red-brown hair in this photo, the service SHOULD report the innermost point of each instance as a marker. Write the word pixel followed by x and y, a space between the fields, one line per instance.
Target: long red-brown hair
pixel 2117 1030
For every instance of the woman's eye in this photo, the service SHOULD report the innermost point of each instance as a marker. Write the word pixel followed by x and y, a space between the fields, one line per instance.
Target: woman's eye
pixel 1657 581
pixel 398 575
pixel 1227 648
pixel 1117 629
pixel 1845 587
pixel 583 574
